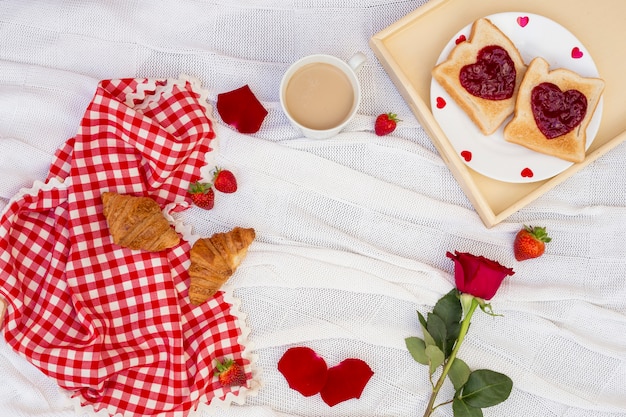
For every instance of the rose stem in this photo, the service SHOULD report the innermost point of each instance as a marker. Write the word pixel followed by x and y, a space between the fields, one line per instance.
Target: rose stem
pixel 464 327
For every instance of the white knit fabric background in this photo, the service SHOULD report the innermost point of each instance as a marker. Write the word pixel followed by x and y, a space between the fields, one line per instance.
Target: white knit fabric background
pixel 352 231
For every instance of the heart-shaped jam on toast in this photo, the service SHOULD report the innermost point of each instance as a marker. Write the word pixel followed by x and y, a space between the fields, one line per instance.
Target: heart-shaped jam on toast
pixel 492 76
pixel 557 112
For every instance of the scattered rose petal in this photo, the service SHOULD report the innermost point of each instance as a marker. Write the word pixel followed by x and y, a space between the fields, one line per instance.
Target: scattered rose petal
pixel 304 370
pixel 346 381
pixel 241 109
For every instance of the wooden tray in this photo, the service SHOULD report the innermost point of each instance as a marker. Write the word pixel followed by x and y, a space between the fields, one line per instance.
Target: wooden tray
pixel 409 49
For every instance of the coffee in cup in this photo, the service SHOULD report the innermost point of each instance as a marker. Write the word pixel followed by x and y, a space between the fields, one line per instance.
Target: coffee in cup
pixel 320 94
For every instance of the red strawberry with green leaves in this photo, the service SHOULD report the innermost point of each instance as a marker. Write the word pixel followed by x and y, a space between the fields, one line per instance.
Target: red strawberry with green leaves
pixel 230 373
pixel 530 242
pixel 386 123
pixel 224 180
pixel 202 195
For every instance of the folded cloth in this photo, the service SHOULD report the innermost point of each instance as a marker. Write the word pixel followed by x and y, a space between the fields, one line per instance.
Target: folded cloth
pixel 113 326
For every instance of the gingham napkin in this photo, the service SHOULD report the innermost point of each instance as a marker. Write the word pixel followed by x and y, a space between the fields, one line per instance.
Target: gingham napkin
pixel 111 325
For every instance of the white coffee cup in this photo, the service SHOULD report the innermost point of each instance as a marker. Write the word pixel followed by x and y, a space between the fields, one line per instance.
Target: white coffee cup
pixel 320 94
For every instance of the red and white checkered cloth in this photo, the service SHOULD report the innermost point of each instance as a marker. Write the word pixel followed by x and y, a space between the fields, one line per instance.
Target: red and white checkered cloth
pixel 113 325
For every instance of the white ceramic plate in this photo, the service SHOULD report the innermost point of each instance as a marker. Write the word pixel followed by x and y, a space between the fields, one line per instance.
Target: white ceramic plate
pixel 491 155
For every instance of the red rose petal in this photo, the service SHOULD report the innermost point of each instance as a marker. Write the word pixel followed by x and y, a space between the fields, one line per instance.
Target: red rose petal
pixel 241 109
pixel 346 381
pixel 304 370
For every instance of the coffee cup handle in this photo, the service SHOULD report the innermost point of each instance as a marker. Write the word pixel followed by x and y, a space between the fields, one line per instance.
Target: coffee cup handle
pixel 357 60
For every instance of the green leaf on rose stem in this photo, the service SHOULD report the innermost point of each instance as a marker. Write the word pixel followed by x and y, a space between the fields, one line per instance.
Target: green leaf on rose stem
pixel 485 388
pixel 459 373
pixel 427 337
pixel 435 356
pixel 453 334
pixel 461 409
pixel 417 349
pixel 437 329
pixel 422 319
pixel 448 308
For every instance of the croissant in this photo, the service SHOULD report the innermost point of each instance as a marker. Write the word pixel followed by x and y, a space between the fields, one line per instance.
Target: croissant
pixel 137 223
pixel 214 260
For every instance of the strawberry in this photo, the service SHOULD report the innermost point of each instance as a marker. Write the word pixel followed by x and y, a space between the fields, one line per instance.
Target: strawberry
pixel 386 123
pixel 202 195
pixel 230 373
pixel 224 180
pixel 530 242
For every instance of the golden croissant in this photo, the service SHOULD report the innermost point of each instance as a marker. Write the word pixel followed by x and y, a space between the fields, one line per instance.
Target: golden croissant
pixel 138 223
pixel 214 260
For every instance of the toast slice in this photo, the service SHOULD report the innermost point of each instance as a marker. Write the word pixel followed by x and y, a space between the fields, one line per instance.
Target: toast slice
pixel 483 75
pixel 553 120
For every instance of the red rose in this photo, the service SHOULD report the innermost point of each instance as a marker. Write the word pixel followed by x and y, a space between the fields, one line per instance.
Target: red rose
pixel 477 275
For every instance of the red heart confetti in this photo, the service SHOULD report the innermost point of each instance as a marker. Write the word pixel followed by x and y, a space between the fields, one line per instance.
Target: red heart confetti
pixel 577 53
pixel 467 155
pixel 345 381
pixel 441 103
pixel 527 173
pixel 522 20
pixel 460 39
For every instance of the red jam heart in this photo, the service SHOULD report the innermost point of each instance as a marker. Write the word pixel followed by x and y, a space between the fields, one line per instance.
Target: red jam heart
pixel 527 173
pixel 460 39
pixel 556 112
pixel 441 103
pixel 467 155
pixel 492 77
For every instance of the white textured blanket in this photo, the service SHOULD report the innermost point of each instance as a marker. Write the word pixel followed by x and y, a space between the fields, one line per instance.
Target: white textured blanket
pixel 352 231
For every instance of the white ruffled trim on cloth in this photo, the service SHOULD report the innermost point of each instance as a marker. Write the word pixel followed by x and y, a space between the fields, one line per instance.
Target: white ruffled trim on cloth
pixel 34 190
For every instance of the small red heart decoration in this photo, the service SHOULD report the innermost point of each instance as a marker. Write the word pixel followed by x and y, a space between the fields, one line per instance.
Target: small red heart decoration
pixel 460 39
pixel 577 53
pixel 441 103
pixel 527 173
pixel 467 155
pixel 522 21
